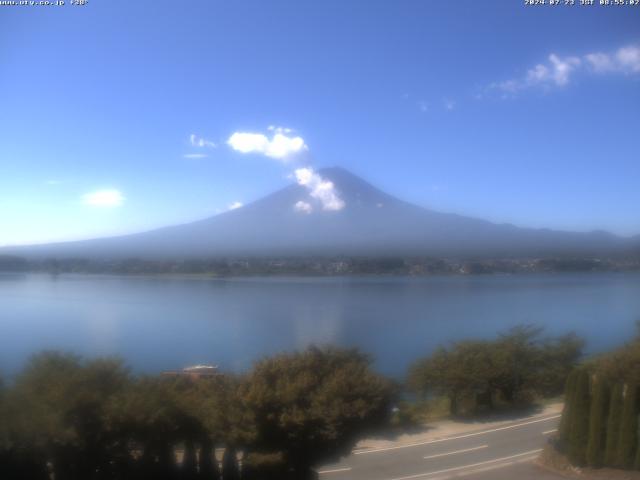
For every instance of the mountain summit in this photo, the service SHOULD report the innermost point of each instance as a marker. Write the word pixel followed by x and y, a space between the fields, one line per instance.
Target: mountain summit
pixel 334 212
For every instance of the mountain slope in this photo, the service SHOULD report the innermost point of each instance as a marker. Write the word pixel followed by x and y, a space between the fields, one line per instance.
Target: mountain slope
pixel 371 223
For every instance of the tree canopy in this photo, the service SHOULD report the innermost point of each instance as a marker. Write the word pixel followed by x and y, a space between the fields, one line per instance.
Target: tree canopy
pixel 514 368
pixel 93 420
pixel 314 405
pixel 609 384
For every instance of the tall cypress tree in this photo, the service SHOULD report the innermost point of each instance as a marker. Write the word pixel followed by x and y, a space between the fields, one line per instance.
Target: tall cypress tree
pixel 628 439
pixel 565 421
pixel 579 420
pixel 613 425
pixel 207 460
pixel 598 422
pixel 230 464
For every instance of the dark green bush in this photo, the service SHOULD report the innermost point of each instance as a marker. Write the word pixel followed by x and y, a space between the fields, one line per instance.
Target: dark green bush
pixel 579 420
pixel 613 425
pixel 598 422
pixel 628 428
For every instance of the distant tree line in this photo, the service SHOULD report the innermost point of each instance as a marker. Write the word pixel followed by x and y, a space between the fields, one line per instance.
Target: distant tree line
pixel 68 418
pixel 599 425
pixel 515 369
pixel 321 265
pixel 10 263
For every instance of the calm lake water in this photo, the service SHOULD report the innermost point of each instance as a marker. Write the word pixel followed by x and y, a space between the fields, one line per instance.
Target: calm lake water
pixel 164 323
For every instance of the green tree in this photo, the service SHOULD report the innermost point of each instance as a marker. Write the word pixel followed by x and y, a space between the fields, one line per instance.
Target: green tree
pixel 558 357
pixel 257 466
pixel 613 425
pixel 230 469
pixel 598 422
pixel 518 363
pixel 19 457
pixel 4 421
pixel 516 368
pixel 207 464
pixel 154 415
pixel 215 403
pixel 579 420
pixel 463 372
pixel 314 405
pixel 430 376
pixel 622 364
pixel 60 413
pixel 627 441
pixel 565 421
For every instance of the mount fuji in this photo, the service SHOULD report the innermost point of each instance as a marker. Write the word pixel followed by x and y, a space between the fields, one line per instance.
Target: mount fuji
pixel 334 212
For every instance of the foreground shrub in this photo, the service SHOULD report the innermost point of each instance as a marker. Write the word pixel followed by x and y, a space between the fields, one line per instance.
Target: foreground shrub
pixel 598 423
pixel 314 406
pixel 68 418
pixel 610 432
pixel 579 420
pixel 515 369
pixel 628 428
pixel 564 428
pixel 613 425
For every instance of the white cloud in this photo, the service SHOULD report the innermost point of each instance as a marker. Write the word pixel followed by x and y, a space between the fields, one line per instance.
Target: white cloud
pixel 304 176
pixel 449 104
pixel 628 58
pixel 303 207
pixel 200 142
pixel 273 128
pixel 281 146
pixel 103 198
pixel 600 62
pixel 623 60
pixel 423 106
pixel 235 205
pixel 320 189
pixel 248 142
pixel 558 71
pixel 563 68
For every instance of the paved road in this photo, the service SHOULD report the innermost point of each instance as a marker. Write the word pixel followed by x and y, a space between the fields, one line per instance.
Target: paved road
pixel 504 452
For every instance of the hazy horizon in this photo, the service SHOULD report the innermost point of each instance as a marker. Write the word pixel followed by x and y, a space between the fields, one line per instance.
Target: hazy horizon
pixel 292 181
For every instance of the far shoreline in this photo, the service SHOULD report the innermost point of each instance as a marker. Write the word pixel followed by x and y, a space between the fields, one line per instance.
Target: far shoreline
pixel 301 276
pixel 317 266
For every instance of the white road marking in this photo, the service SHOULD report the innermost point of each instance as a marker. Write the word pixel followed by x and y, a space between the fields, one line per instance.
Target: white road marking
pixel 457 451
pixel 475 471
pixel 550 431
pixel 335 470
pixel 474 434
pixel 453 469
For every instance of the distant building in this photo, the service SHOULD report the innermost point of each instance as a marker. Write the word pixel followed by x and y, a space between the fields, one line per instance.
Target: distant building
pixel 194 372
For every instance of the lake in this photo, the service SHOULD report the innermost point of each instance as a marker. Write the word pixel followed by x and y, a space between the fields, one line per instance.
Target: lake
pixel 159 323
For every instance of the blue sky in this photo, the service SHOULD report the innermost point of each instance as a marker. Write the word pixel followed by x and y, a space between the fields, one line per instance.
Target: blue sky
pixel 119 116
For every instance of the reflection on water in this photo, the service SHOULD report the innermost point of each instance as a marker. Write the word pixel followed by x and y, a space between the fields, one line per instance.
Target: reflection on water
pixel 161 323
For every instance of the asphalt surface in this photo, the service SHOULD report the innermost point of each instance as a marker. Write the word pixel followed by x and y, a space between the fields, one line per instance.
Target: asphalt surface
pixel 504 452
